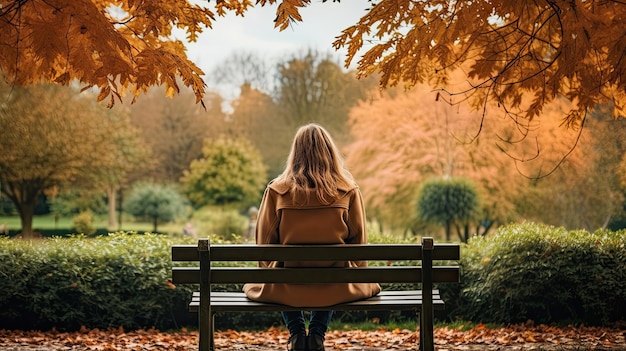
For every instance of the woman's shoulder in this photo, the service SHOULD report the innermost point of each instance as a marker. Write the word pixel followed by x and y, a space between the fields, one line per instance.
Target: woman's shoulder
pixel 282 186
pixel 279 185
pixel 346 182
pixel 347 186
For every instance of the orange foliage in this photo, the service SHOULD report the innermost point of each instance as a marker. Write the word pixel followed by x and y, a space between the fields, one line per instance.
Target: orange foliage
pixel 515 49
pixel 538 48
pixel 116 46
pixel 109 44
pixel 404 138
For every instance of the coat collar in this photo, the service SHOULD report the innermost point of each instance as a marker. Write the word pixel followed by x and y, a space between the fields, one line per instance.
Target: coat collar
pixel 282 186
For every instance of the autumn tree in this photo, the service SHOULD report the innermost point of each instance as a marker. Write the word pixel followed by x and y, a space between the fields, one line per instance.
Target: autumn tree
pixel 560 176
pixel 583 192
pixel 174 128
pixel 401 139
pixel 255 115
pixel 308 86
pixel 312 87
pixel 128 160
pixel 51 136
pixel 129 156
pixel 243 68
pixel 511 50
pixel 257 118
pixel 230 172
pixel 115 46
pixel 520 54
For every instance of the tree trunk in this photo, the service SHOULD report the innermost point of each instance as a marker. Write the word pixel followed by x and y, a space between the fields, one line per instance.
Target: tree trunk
pixel 121 210
pixel 112 202
pixel 24 197
pixel 156 219
pixel 485 224
pixel 459 232
pixel 448 231
pixel 27 211
pixel 606 221
pixel 467 232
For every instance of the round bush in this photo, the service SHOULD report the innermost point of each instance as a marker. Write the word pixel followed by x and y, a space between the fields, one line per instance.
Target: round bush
pixel 83 223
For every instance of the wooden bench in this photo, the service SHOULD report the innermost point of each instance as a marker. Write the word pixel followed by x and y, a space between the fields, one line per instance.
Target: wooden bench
pixel 423 301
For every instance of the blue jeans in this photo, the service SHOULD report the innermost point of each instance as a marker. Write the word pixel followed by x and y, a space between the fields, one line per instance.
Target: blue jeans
pixel 318 323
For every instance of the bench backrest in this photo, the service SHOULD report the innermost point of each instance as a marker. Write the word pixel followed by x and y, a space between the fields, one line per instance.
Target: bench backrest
pixel 427 252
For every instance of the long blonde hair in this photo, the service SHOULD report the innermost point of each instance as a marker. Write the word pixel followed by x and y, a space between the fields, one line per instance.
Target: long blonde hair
pixel 315 163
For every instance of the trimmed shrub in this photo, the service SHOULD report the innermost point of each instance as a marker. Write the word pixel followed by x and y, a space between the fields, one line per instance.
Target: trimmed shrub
pixel 546 274
pixel 117 280
pixel 63 232
pixel 523 272
pixel 449 201
pixel 83 223
pixel 228 224
pixel 157 203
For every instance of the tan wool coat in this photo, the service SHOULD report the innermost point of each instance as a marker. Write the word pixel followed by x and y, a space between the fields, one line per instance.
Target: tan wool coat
pixel 282 220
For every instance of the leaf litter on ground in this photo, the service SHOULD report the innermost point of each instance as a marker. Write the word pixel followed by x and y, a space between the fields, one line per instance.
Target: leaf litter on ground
pixel 479 337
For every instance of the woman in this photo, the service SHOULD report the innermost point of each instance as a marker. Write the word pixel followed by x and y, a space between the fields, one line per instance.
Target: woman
pixel 314 201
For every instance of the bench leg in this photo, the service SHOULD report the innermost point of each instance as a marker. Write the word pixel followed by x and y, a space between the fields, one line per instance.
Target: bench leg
pixel 205 329
pixel 419 324
pixel 212 342
pixel 202 342
pixel 427 342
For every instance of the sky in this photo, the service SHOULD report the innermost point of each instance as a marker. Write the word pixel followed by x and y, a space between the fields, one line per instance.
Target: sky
pixel 255 32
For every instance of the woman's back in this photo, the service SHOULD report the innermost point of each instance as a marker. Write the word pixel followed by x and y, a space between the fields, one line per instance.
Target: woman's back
pixel 314 201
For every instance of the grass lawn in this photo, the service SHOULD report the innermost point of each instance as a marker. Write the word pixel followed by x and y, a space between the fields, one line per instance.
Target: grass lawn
pixel 43 222
pixel 48 222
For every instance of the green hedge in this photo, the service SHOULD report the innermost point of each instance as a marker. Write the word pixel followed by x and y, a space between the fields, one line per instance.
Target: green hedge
pixel 111 281
pixel 63 232
pixel 546 274
pixel 523 272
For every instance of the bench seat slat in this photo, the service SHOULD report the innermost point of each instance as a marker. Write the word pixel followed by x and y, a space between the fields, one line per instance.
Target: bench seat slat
pixel 370 252
pixel 372 299
pixel 406 295
pixel 377 306
pixel 382 293
pixel 277 307
pixel 396 294
pixel 236 301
